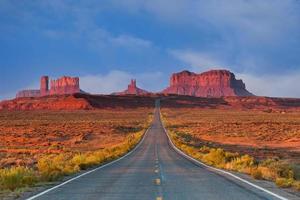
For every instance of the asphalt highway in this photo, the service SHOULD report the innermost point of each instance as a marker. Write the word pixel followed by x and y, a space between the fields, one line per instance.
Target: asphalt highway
pixel 154 171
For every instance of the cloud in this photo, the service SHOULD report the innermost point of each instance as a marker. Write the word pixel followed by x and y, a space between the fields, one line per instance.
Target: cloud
pixel 198 61
pixel 96 38
pixel 257 21
pixel 257 39
pixel 105 84
pixel 100 38
pixel 263 33
pixel 246 22
pixel 116 81
pixel 284 85
pixel 127 40
pixel 252 19
pixel 84 27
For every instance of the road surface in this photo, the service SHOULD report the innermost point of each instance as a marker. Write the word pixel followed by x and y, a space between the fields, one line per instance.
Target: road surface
pixel 154 171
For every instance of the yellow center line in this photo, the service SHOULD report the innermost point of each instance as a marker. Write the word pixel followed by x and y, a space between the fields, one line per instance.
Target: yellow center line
pixel 159 198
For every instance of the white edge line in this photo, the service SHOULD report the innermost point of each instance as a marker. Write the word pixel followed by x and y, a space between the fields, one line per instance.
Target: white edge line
pixel 219 170
pixel 88 172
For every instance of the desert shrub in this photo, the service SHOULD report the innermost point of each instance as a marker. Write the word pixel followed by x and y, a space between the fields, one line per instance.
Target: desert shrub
pixel 53 167
pixel 129 129
pixel 215 157
pixel 274 169
pixel 86 160
pixel 296 185
pixel 186 137
pixel 229 156
pixel 80 160
pixel 296 169
pixel 16 177
pixel 284 182
pixel 242 164
pixel 281 172
pixel 256 173
pixel 204 149
pixel 267 173
pixel 189 150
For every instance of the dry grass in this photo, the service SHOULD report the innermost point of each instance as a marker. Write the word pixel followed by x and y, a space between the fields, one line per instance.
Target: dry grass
pixel 17 177
pixel 53 167
pixel 253 128
pixel 45 146
pixel 194 131
pixel 25 136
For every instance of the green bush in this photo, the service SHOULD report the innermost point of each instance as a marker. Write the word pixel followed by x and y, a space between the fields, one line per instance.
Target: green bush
pixel 16 177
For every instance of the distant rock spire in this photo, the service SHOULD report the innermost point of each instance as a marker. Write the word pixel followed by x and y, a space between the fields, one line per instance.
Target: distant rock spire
pixel 132 89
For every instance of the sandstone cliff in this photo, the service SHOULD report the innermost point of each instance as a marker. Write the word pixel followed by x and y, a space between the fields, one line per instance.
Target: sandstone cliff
pixel 65 85
pixel 214 83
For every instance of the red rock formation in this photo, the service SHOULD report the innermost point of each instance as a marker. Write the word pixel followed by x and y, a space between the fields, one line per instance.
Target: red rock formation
pixel 65 85
pixel 28 93
pixel 133 89
pixel 214 83
pixel 44 85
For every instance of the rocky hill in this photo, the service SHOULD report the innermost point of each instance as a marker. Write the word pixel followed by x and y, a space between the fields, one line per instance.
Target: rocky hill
pixel 78 101
pixel 213 83
pixel 81 101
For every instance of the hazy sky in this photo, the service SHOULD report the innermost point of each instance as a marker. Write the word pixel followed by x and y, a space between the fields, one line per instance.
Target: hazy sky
pixel 107 42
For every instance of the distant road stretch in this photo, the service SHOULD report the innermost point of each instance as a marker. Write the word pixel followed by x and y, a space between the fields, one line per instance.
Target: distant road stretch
pixel 155 171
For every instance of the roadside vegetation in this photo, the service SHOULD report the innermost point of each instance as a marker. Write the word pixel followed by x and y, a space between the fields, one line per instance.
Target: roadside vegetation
pixel 283 173
pixel 124 131
pixel 53 167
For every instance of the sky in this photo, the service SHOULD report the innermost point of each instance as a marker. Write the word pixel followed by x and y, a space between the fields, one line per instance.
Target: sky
pixel 108 42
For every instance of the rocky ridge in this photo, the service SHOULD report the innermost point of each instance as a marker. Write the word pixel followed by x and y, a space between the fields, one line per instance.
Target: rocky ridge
pixel 81 101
